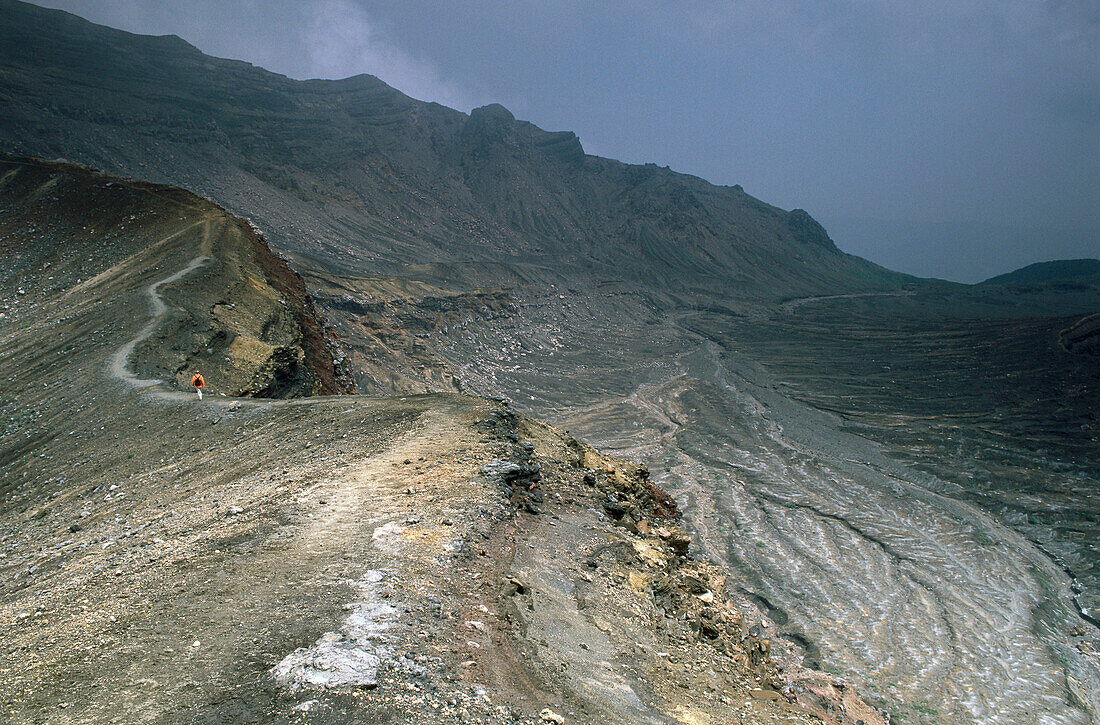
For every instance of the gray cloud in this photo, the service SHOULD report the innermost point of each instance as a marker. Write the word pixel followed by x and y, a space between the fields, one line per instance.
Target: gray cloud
pixel 341 40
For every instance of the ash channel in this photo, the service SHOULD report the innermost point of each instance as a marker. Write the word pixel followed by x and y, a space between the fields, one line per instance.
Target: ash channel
pixel 928 605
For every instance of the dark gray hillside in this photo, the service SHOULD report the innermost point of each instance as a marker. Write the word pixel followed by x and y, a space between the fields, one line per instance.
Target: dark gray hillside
pixel 898 475
pixel 367 179
pixel 1059 270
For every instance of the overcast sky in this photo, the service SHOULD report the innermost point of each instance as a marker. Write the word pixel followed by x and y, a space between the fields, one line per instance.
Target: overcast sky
pixel 951 138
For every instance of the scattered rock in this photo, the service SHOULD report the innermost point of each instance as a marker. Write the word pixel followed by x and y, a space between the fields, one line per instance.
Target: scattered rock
pixel 614 509
pixel 680 542
pixel 548 715
pixel 514 586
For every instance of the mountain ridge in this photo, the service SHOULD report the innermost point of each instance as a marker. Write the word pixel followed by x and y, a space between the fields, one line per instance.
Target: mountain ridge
pixel 319 558
pixel 874 459
pixel 1051 271
pixel 356 173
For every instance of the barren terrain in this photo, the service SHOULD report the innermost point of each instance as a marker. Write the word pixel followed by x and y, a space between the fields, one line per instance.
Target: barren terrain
pixel 430 558
pixel 888 479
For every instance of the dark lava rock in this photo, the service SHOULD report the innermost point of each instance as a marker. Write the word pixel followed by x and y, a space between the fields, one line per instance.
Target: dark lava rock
pixel 614 509
pixel 680 543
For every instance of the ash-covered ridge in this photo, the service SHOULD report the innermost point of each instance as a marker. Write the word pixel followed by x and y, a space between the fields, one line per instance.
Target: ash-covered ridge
pixel 329 558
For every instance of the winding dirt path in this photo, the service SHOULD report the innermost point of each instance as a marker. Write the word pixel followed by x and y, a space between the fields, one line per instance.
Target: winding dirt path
pixel 792 305
pixel 118 366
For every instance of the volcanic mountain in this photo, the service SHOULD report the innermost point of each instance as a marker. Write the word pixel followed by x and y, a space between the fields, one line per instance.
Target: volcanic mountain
pixel 360 176
pixel 897 476
pixel 287 553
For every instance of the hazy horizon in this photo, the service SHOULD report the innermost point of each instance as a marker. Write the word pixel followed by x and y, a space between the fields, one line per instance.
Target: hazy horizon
pixel 952 141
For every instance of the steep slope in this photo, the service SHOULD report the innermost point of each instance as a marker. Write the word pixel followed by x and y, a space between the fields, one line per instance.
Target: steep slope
pixel 244 317
pixel 429 559
pixel 897 474
pixel 362 177
pixel 905 490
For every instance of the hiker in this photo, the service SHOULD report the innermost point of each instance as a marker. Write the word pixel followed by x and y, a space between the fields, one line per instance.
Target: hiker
pixel 198 382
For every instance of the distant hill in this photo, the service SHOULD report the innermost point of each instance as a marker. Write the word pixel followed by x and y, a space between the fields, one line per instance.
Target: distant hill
pixel 1057 270
pixel 359 175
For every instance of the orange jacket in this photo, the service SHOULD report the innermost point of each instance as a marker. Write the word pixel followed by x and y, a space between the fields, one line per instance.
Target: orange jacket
pixel 197 381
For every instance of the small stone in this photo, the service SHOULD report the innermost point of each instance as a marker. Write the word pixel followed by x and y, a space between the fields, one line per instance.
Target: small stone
pixel 548 715
pixel 73 528
pixel 514 586
pixel 196 643
pixel 234 511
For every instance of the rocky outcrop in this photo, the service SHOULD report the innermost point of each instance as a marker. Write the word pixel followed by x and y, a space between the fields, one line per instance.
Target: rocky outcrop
pixel 244 319
pixel 317 353
pixel 807 230
pixel 392 328
pixel 1082 337
pixel 641 599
